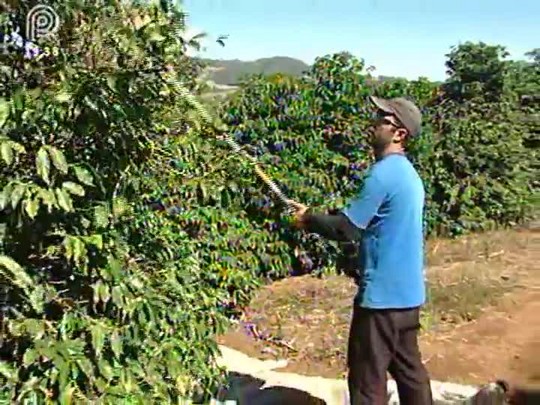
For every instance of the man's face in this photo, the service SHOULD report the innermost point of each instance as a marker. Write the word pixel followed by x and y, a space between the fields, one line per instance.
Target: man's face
pixel 385 130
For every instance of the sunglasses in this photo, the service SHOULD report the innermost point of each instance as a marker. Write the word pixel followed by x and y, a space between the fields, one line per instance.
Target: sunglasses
pixel 382 119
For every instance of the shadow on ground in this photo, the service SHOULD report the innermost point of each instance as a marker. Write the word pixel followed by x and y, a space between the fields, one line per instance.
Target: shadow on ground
pixel 246 390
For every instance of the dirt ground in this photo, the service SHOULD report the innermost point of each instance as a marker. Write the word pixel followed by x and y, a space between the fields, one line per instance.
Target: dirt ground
pixel 482 321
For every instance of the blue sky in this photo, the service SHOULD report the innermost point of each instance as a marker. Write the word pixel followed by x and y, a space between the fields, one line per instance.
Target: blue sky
pixel 407 38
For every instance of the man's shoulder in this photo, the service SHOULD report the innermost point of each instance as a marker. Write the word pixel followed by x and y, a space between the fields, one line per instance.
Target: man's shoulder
pixel 394 172
pixel 394 167
pixel 392 160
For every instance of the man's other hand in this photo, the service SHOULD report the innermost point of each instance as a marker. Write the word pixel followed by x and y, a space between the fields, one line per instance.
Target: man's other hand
pixel 299 213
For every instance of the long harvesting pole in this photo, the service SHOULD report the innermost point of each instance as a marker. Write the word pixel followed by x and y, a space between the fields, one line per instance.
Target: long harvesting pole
pixel 262 175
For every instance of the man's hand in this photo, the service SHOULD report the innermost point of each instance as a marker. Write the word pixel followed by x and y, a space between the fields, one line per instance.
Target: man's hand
pixel 300 210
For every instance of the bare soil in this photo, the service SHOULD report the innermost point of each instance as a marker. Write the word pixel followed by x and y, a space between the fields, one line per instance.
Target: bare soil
pixel 482 321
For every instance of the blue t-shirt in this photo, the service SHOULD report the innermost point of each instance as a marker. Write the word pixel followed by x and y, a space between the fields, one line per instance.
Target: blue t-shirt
pixel 389 210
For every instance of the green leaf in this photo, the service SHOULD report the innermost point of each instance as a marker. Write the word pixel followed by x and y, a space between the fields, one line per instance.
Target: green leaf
pixel 118 298
pixel 17 147
pixel 43 165
pixel 98 337
pixel 64 200
pixel 47 197
pixel 37 299
pixel 8 372
pixel 4 111
pixel 74 249
pixel 74 188
pixel 17 194
pixel 116 344
pixel 105 369
pixel 18 99
pixel 7 152
pixel 156 37
pixel 19 276
pixel 5 197
pixel 83 175
pixel 86 367
pixel 111 82
pixel 204 192
pixel 31 206
pixel 85 222
pixel 101 216
pixel 58 159
pixel 34 93
pixel 102 291
pixel 114 267
pixel 96 240
pixel 119 206
pixel 63 96
pixel 66 397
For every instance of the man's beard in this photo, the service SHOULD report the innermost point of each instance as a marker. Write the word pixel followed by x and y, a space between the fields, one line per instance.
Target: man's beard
pixel 379 143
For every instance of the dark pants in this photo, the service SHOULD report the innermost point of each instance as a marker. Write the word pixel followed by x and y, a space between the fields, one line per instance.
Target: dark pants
pixel 386 340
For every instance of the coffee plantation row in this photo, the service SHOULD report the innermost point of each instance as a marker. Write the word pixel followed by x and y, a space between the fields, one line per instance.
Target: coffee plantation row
pixel 131 235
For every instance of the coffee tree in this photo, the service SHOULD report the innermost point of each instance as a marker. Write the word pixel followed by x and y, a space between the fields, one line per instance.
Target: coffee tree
pixel 118 268
pixel 480 173
pixel 524 83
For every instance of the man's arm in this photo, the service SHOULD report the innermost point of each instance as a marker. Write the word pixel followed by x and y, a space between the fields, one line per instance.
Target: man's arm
pixel 334 227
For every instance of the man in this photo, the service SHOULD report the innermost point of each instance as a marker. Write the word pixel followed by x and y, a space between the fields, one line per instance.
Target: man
pixel 388 214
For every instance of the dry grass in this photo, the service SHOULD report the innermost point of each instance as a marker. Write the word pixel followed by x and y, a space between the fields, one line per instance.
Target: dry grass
pixel 472 273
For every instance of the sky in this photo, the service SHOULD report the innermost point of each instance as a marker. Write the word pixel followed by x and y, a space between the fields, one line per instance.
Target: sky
pixel 407 38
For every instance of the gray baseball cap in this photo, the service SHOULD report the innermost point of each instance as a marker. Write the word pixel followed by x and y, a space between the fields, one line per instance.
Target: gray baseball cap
pixel 404 110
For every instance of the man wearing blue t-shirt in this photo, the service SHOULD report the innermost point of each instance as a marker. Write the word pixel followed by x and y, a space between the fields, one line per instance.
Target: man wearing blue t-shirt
pixel 387 218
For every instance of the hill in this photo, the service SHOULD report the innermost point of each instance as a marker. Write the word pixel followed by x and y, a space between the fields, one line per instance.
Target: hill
pixel 229 72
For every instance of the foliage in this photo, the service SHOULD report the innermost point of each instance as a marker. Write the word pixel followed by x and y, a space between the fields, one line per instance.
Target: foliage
pixel 524 77
pixel 476 71
pixel 481 171
pixel 110 298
